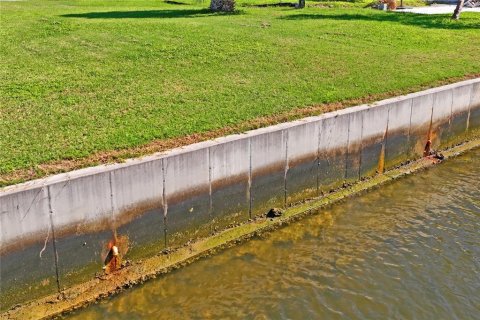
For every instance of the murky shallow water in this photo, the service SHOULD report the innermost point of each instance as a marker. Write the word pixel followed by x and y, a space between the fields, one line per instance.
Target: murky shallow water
pixel 410 250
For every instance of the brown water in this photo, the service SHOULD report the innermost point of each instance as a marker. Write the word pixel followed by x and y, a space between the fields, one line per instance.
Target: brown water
pixel 408 250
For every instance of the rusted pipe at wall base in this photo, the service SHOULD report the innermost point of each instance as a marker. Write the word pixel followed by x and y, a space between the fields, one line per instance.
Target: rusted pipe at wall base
pixel 112 261
pixel 428 145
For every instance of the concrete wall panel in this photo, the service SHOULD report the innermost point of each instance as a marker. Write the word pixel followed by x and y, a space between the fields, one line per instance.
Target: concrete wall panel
pixel 441 116
pixel 354 147
pixel 139 184
pixel 374 129
pixel 138 207
pixel 268 152
pixel 82 219
pixel 27 266
pixel 230 170
pixel 397 142
pixel 332 153
pixel 81 253
pixel 302 153
pixel 187 190
pixel 80 200
pixel 143 235
pixel 460 108
pixel 474 118
pixel 24 214
pixel 420 124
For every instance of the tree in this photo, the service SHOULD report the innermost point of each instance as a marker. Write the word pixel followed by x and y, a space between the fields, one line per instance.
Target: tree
pixel 301 4
pixel 458 10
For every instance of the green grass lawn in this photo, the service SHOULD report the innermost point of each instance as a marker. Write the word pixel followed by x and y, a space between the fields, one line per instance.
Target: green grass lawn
pixel 82 77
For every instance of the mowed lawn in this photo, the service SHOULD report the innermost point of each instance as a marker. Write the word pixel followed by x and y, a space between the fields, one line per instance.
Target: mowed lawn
pixel 82 77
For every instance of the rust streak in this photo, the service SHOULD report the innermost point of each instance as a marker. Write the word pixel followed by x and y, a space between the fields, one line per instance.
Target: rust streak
pixel 381 160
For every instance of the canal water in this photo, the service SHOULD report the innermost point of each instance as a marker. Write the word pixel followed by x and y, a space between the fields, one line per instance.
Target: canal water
pixel 407 250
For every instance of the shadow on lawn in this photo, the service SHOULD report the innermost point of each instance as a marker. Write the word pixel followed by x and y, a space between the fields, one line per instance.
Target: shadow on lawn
pixel 411 19
pixel 185 13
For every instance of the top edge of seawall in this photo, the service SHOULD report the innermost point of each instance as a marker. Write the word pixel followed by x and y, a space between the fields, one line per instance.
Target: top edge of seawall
pixel 84 172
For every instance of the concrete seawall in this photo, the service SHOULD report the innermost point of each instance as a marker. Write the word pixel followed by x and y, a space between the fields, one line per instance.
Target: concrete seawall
pixel 55 232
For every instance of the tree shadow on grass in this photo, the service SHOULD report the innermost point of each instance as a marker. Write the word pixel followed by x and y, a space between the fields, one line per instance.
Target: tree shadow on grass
pixel 410 19
pixel 146 14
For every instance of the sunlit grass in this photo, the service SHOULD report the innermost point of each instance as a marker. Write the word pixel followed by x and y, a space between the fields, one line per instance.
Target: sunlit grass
pixel 79 77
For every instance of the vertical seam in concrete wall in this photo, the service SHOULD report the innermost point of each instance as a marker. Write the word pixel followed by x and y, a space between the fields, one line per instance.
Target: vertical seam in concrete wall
pixel 165 205
pixel 361 148
pixel 286 170
pixel 410 127
pixel 210 205
pixel 470 102
pixel 347 153
pixel 451 114
pixel 430 128
pixel 318 158
pixel 54 244
pixel 250 199
pixel 385 138
pixel 112 202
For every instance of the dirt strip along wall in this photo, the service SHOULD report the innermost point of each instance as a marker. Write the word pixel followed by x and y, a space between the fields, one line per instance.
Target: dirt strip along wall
pixel 58 231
